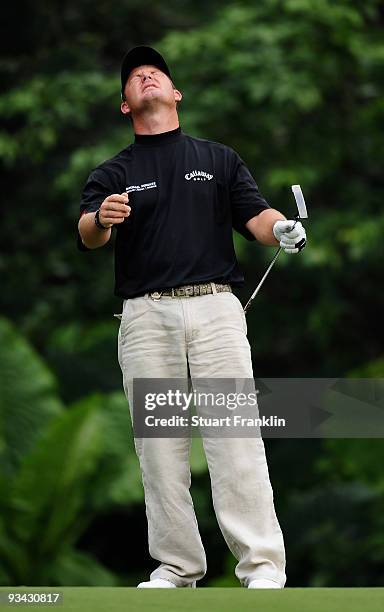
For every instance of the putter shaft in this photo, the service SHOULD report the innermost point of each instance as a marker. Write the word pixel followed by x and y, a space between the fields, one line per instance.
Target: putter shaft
pixel 256 291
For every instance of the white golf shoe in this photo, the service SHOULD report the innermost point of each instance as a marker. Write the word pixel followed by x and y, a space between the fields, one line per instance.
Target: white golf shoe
pixel 263 583
pixel 160 583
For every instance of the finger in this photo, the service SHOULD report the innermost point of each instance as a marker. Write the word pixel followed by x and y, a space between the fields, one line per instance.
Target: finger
pixel 292 234
pixel 115 207
pixel 117 197
pixel 298 247
pixel 113 220
pixel 293 244
pixel 109 219
pixel 287 243
pixel 286 226
pixel 291 251
pixel 295 232
pixel 110 212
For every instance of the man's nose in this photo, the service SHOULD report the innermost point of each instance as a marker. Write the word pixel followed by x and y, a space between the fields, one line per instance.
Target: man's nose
pixel 146 76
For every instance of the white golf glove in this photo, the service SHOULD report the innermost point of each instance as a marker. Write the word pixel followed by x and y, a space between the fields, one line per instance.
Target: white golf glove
pixel 291 239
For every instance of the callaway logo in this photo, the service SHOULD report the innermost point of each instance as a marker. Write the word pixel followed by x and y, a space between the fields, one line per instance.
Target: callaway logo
pixel 198 175
pixel 142 187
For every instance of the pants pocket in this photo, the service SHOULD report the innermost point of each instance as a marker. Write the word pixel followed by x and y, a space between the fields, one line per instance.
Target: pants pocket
pixel 133 310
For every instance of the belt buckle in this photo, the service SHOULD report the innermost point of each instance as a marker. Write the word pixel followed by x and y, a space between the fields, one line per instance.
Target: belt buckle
pixel 189 291
pixel 155 295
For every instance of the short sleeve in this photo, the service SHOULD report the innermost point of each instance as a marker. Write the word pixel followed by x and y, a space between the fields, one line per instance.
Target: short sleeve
pixel 96 189
pixel 246 199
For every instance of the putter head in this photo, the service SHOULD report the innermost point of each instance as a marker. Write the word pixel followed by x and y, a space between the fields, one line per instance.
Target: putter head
pixel 300 202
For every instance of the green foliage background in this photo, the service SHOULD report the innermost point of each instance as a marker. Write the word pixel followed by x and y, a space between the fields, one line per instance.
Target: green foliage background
pixel 295 86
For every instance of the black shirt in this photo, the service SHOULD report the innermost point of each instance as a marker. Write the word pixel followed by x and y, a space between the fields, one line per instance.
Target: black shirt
pixel 185 194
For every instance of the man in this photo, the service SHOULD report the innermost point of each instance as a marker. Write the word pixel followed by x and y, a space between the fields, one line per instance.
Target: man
pixel 174 200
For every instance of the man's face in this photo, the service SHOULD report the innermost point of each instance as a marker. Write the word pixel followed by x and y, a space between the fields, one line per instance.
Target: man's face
pixel 146 87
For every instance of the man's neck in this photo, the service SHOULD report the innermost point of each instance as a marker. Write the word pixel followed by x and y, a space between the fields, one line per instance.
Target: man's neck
pixel 155 123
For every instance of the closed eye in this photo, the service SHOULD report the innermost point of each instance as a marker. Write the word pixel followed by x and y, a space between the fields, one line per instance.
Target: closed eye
pixel 139 76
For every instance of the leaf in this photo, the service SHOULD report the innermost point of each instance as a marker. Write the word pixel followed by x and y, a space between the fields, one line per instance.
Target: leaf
pixel 118 477
pixel 49 494
pixel 77 568
pixel 28 397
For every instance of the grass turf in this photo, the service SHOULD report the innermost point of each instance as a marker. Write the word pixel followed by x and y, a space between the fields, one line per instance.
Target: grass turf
pixel 105 599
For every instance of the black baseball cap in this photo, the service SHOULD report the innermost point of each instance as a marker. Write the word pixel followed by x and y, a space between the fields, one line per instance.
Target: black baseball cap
pixel 140 56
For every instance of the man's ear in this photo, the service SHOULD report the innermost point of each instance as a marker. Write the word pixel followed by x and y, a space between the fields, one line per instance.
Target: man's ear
pixel 178 95
pixel 124 107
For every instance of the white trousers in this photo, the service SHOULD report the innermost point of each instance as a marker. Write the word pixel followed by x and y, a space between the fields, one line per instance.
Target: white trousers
pixel 158 339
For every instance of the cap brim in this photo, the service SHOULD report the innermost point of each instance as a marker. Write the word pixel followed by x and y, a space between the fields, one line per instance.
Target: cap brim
pixel 141 56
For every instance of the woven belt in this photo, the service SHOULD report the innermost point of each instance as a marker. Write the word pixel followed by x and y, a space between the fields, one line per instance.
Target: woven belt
pixel 190 290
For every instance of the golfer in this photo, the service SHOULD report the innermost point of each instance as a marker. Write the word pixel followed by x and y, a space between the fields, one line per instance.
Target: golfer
pixel 174 200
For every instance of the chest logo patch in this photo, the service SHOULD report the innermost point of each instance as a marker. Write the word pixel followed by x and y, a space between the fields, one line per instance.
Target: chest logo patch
pixel 142 187
pixel 198 175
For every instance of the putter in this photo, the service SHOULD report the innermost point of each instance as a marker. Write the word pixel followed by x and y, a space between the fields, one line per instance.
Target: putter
pixel 302 214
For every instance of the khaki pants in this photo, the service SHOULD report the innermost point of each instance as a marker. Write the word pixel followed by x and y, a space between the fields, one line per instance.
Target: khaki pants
pixel 158 339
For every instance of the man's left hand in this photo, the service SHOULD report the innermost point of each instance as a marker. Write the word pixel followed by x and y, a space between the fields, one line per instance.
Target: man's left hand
pixel 291 239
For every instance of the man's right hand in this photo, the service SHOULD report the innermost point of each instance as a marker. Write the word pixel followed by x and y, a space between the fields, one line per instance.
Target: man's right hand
pixel 114 209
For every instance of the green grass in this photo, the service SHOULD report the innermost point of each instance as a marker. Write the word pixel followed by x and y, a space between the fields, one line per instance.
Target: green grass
pixel 95 599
